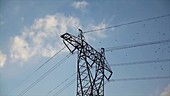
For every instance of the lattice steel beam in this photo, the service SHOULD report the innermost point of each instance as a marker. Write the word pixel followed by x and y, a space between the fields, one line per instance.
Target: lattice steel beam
pixel 90 81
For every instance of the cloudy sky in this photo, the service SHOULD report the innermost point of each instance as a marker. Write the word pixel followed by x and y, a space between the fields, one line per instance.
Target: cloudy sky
pixel 30 34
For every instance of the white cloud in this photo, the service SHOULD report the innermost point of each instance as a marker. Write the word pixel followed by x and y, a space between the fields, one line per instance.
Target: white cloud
pixel 80 5
pixel 2 59
pixel 99 33
pixel 96 34
pixel 43 37
pixel 166 91
pixel 20 49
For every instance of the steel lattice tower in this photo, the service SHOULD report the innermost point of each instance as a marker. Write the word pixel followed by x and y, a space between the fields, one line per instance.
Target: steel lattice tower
pixel 92 66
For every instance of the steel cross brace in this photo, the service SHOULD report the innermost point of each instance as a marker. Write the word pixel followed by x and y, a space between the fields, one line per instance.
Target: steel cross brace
pixel 91 66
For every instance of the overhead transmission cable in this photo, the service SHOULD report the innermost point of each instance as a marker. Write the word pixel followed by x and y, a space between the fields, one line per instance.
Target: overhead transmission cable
pixel 128 46
pixel 136 45
pixel 123 24
pixel 139 78
pixel 66 86
pixel 141 62
pixel 50 59
pixel 120 64
pixel 40 67
pixel 61 83
pixel 113 48
pixel 44 75
pixel 118 79
pixel 131 63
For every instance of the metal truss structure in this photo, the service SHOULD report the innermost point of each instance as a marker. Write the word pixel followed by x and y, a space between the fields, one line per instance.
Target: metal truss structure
pixel 92 66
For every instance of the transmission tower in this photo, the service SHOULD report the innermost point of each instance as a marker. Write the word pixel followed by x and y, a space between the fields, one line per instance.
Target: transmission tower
pixel 92 66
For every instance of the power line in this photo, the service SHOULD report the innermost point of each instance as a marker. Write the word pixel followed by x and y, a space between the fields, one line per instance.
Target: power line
pixel 40 67
pixel 74 80
pixel 123 79
pixel 119 79
pixel 58 92
pixel 136 45
pixel 139 78
pixel 123 24
pixel 131 63
pixel 61 83
pixel 66 86
pixel 148 43
pixel 141 62
pixel 44 75
pixel 120 64
pixel 49 59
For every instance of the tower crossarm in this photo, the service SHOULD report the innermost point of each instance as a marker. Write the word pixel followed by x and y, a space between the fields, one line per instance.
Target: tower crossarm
pixel 95 56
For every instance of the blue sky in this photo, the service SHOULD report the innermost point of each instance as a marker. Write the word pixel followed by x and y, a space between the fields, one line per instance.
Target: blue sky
pixel 30 34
